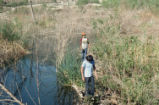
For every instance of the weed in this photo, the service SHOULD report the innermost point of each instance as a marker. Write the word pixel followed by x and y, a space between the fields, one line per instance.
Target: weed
pixel 132 4
pixel 10 31
pixel 83 2
pixel 69 69
pixel 129 64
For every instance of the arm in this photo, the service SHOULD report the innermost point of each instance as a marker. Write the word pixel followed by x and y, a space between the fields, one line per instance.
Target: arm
pixel 82 73
pixel 95 73
pixel 81 43
pixel 88 43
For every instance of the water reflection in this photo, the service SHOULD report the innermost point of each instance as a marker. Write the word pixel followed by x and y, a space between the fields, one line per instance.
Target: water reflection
pixel 23 83
pixel 37 84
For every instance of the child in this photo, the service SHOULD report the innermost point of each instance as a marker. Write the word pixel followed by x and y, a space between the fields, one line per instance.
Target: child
pixel 87 74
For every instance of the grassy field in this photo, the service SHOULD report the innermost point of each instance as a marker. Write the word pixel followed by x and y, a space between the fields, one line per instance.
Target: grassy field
pixel 128 58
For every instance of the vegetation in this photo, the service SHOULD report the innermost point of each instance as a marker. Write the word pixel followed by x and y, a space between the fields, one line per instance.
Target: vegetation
pixel 18 3
pixel 69 69
pixel 129 61
pixel 129 64
pixel 153 5
pixel 10 31
pixel 1 8
pixel 83 2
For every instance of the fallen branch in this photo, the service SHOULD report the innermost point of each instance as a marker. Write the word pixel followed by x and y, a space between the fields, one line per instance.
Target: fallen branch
pixel 11 95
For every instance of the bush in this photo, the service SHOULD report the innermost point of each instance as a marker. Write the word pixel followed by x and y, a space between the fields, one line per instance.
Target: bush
pixel 10 31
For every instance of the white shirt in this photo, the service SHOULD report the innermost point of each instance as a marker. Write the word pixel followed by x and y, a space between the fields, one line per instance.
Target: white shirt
pixel 84 43
pixel 88 68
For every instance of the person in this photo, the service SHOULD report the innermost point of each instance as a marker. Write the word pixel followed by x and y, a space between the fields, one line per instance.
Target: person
pixel 84 43
pixel 87 68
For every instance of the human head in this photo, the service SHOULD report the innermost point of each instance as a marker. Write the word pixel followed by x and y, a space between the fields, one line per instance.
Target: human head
pixel 89 58
pixel 83 34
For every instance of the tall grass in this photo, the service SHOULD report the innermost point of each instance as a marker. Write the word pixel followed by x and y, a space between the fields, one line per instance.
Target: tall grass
pixel 1 7
pixel 150 4
pixel 83 2
pixel 111 3
pixel 69 69
pixel 129 65
pixel 10 31
pixel 17 3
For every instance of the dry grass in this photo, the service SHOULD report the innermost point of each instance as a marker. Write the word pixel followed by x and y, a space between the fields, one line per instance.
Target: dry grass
pixel 10 51
pixel 137 21
pixel 136 31
pixel 55 29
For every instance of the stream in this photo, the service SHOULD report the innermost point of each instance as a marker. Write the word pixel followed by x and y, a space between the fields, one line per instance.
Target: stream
pixel 35 84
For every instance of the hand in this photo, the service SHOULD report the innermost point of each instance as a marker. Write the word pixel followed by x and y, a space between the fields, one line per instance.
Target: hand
pixel 83 78
pixel 96 77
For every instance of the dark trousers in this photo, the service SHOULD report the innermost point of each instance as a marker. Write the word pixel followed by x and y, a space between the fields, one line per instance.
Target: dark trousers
pixel 89 85
pixel 84 54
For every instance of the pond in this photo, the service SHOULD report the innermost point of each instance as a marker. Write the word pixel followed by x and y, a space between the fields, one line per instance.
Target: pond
pixel 36 84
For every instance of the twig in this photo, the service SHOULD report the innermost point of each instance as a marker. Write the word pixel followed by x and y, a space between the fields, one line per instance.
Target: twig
pixel 8 100
pixel 30 96
pixel 10 94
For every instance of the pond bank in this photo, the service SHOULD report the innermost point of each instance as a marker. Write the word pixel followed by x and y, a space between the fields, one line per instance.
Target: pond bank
pixel 10 51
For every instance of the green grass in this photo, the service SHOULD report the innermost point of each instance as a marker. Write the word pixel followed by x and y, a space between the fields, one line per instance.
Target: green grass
pixel 152 5
pixel 14 4
pixel 84 2
pixel 69 69
pixel 1 7
pixel 130 66
pixel 111 3
pixel 10 31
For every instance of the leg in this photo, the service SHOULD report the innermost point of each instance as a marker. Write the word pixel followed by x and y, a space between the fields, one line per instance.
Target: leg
pixel 86 86
pixel 92 86
pixel 83 54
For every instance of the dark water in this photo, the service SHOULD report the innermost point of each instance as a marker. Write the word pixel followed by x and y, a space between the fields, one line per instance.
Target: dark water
pixel 36 84
pixel 24 79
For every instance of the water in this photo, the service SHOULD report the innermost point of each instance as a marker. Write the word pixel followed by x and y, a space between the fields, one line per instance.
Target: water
pixel 36 84
pixel 23 83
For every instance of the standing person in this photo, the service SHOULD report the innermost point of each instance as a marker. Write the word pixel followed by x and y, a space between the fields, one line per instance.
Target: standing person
pixel 87 74
pixel 84 43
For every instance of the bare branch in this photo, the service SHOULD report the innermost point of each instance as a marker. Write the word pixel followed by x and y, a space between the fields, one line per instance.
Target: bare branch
pixel 10 94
